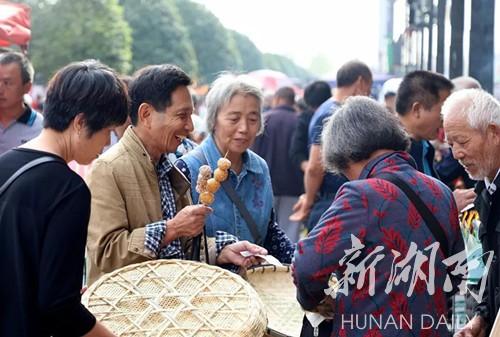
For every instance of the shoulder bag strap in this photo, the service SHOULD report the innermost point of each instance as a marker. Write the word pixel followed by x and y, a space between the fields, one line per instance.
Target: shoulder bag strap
pixel 226 185
pixel 429 218
pixel 25 168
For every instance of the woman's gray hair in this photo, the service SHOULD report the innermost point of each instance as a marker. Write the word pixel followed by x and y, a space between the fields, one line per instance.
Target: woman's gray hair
pixel 358 129
pixel 477 106
pixel 223 89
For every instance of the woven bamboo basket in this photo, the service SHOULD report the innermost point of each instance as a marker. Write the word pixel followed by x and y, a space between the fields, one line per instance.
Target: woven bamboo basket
pixel 176 298
pixel 274 284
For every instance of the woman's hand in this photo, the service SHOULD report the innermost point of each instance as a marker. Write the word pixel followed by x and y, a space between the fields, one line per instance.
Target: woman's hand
pixel 325 308
pixel 301 210
pixel 464 197
pixel 232 254
pixel 475 328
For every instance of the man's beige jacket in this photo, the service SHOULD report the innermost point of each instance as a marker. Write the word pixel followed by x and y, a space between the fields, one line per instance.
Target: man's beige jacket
pixel 125 198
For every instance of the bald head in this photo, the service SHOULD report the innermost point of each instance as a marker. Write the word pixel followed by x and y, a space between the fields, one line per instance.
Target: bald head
pixel 465 82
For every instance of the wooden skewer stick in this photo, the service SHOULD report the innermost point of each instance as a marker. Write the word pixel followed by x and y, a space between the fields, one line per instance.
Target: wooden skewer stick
pixel 228 141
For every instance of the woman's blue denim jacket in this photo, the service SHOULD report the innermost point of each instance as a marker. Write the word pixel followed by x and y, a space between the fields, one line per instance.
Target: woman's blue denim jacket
pixel 253 186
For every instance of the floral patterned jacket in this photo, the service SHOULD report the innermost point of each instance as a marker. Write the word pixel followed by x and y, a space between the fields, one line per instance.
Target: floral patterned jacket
pixel 373 298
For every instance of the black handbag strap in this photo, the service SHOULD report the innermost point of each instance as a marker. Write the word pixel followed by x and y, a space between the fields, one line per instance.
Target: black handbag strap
pixel 429 218
pixel 226 185
pixel 23 169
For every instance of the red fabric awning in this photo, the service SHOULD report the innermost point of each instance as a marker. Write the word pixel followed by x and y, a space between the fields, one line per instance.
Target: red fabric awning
pixel 15 24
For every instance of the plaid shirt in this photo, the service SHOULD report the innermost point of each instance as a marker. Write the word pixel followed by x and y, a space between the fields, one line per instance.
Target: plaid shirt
pixel 156 231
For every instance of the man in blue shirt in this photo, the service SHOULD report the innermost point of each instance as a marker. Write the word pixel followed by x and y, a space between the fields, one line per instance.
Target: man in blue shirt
pixel 353 78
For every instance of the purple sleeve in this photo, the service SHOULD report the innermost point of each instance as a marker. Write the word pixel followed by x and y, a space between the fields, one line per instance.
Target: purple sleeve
pixel 318 255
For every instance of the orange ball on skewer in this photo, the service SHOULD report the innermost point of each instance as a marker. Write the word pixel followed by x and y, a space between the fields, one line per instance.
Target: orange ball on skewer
pixel 212 185
pixel 220 175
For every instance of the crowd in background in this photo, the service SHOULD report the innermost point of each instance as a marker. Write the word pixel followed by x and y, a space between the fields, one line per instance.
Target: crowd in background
pixel 308 169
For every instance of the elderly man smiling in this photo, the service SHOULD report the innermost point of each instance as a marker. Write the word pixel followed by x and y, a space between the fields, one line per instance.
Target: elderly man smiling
pixel 472 126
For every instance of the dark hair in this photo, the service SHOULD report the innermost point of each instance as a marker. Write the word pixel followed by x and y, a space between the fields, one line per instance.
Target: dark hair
pixel 287 94
pixel 155 85
pixel 126 79
pixel 316 93
pixel 420 86
pixel 27 71
pixel 351 71
pixel 389 94
pixel 301 105
pixel 87 87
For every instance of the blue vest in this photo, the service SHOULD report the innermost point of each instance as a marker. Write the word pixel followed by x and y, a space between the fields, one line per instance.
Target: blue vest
pixel 253 186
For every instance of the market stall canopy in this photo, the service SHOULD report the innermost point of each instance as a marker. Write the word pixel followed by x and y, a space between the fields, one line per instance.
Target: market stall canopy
pixel 15 24
pixel 271 80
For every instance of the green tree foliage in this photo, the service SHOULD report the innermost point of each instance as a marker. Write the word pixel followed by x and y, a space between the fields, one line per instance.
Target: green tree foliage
pixel 158 31
pixel 251 56
pixel 285 65
pixel 320 65
pixel 214 45
pixel 159 35
pixel 65 31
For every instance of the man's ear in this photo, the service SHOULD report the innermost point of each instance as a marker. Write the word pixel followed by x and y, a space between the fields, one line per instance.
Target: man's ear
pixel 359 85
pixel 494 131
pixel 416 109
pixel 145 114
pixel 27 87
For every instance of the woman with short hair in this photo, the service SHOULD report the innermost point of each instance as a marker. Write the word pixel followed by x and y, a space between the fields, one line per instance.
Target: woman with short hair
pixel 234 119
pixel 361 241
pixel 44 212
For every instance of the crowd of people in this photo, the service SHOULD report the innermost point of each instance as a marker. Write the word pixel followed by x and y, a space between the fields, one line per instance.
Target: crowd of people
pixel 333 182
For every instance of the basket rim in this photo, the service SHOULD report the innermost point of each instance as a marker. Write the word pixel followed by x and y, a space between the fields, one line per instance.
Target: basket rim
pixel 269 267
pixel 104 278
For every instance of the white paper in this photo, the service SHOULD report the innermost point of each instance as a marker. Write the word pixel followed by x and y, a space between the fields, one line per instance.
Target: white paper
pixel 268 258
pixel 314 318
